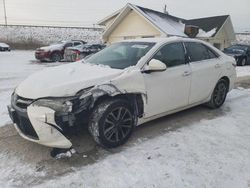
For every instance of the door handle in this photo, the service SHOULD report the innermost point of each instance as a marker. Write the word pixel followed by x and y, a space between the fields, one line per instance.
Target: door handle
pixel 217 66
pixel 186 73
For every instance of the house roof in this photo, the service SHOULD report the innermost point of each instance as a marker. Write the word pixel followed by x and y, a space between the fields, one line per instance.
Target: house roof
pixel 169 24
pixel 209 23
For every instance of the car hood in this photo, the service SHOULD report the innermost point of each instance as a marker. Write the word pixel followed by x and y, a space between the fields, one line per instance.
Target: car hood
pixel 52 47
pixel 4 45
pixel 65 80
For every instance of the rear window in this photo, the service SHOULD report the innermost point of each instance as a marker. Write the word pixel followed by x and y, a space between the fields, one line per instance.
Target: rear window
pixel 199 52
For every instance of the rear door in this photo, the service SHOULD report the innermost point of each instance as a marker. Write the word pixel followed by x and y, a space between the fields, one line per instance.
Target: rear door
pixel 206 70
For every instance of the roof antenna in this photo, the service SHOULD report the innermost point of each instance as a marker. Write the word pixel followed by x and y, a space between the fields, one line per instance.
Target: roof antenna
pixel 165 9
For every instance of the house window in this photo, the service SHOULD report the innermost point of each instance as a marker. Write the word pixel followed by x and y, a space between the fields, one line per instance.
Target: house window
pixel 217 45
pixel 129 37
pixel 148 36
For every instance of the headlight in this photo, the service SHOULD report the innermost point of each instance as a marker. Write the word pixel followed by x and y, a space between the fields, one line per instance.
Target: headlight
pixel 64 105
pixel 67 104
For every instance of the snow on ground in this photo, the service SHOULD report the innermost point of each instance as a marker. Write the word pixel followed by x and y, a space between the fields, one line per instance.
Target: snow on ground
pixel 211 152
pixel 207 153
pixel 243 71
pixel 15 66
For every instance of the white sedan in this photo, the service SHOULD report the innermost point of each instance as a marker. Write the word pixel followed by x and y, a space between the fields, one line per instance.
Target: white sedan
pixel 124 85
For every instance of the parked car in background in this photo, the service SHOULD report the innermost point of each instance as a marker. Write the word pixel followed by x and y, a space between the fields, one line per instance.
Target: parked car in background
pixel 120 87
pixel 55 52
pixel 241 53
pixel 79 52
pixel 4 47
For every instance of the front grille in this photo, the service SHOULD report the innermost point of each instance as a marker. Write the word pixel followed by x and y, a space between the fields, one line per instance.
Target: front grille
pixel 20 117
pixel 26 127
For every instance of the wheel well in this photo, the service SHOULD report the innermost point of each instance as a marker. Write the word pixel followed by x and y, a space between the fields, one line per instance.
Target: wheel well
pixel 227 80
pixel 56 52
pixel 135 100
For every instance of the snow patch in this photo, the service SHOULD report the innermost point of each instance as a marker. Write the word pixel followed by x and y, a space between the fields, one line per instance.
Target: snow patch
pixel 243 38
pixel 204 34
pixel 209 153
pixel 243 71
pixel 168 25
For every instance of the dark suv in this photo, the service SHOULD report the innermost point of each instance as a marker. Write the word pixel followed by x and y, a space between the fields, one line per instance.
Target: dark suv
pixel 241 53
pixel 81 51
pixel 55 52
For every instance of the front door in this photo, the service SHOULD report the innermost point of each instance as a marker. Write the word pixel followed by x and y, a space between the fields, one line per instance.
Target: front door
pixel 168 90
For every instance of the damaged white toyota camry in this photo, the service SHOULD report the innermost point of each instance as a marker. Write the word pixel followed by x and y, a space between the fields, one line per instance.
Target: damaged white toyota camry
pixel 122 86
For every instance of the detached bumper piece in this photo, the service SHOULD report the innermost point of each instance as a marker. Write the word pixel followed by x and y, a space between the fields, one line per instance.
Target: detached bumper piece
pixel 37 124
pixel 23 123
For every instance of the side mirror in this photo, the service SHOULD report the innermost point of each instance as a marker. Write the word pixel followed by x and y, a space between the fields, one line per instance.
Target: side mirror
pixel 155 65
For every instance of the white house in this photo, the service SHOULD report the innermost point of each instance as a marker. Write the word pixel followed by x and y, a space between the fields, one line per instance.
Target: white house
pixel 138 22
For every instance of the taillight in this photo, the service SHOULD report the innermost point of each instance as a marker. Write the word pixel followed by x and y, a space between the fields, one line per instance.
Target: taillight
pixel 77 52
pixel 77 55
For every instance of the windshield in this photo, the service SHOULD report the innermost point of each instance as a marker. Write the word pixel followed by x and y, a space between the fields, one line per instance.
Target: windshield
pixel 121 55
pixel 58 43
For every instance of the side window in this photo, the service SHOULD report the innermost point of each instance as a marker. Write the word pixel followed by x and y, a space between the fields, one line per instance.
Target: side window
pixel 197 51
pixel 171 54
pixel 68 44
pixel 77 43
pixel 211 53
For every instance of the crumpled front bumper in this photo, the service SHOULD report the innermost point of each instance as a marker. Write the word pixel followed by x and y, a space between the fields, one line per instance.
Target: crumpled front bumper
pixel 38 125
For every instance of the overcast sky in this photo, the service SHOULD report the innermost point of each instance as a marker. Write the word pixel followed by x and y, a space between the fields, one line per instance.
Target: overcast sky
pixel 88 12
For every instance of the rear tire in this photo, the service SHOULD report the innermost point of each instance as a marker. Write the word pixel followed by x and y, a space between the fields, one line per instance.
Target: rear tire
pixel 243 62
pixel 112 123
pixel 219 94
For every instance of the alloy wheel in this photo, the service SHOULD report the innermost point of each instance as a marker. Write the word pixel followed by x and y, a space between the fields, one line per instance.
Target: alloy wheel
pixel 220 93
pixel 118 124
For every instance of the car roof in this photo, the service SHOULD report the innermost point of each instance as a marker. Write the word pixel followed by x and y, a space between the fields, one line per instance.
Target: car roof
pixel 163 39
pixel 246 45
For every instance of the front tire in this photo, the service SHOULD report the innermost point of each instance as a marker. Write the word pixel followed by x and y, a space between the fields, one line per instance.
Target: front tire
pixel 112 123
pixel 56 57
pixel 219 94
